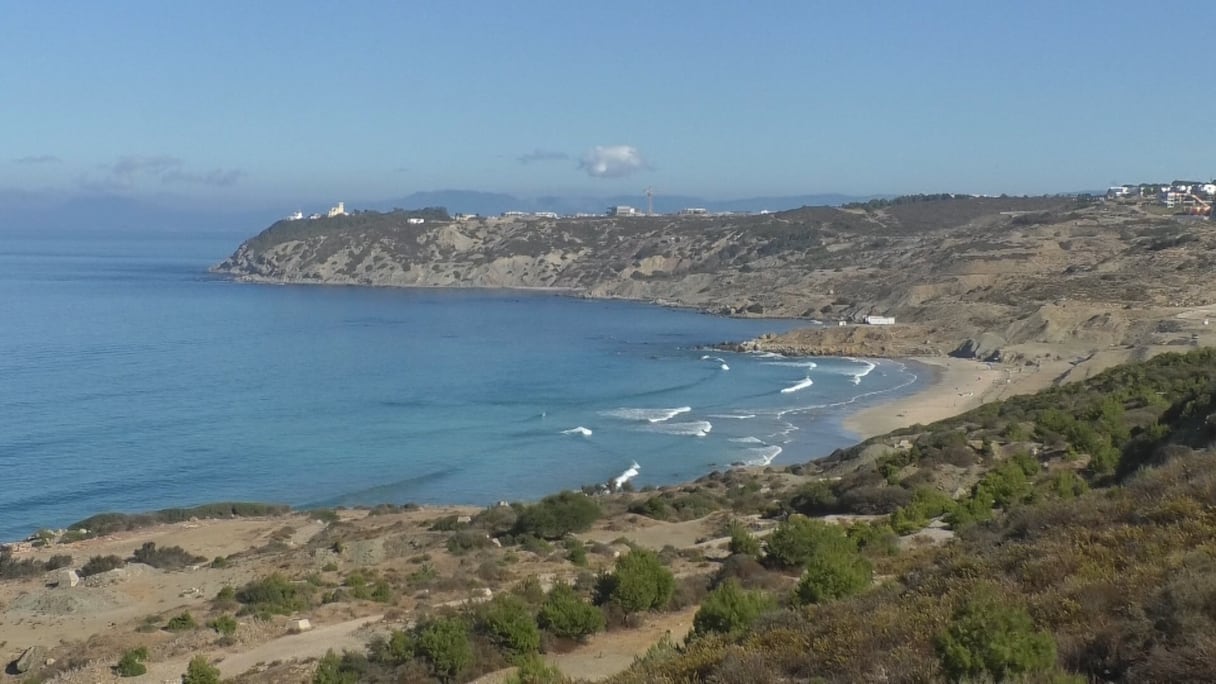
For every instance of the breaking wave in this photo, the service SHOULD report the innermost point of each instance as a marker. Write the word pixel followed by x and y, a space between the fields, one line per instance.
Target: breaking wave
pixel 733 416
pixel 747 440
pixel 651 415
pixel 858 375
pixel 580 430
pixel 763 456
pixel 793 364
pixel 629 474
pixel 800 385
pixel 720 360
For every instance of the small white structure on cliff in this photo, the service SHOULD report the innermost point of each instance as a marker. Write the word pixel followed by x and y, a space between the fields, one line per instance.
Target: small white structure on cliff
pixel 414 220
pixel 880 320
pixel 295 216
pixel 339 210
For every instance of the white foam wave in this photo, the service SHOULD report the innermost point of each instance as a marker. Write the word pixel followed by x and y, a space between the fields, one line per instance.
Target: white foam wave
pixel 733 416
pixel 767 355
pixel 580 430
pixel 763 455
pixel 800 385
pixel 747 440
pixel 720 360
pixel 867 367
pixel 793 364
pixel 696 428
pixel 651 415
pixel 632 472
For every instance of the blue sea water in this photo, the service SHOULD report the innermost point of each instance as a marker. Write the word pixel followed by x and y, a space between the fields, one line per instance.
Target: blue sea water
pixel 131 380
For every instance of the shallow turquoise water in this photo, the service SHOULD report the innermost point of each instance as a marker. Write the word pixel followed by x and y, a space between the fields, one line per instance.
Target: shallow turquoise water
pixel 130 379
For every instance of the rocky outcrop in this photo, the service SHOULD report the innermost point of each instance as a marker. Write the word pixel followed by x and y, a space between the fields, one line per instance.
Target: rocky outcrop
pixel 986 347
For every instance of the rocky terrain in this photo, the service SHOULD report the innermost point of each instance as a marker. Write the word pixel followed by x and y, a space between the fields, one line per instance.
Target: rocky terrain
pixel 976 276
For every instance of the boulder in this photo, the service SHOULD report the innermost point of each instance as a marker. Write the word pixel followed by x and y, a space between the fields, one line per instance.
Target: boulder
pixel 301 625
pixel 32 656
pixel 65 578
pixel 986 347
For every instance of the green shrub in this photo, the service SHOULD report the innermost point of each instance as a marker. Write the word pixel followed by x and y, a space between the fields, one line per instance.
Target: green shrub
pixel 181 623
pixel 638 583
pixel 325 515
pixel 132 663
pixel 730 609
pixel 576 552
pixel 799 538
pixel 557 515
pixel 349 668
pixel 445 645
pixel 199 671
pixel 168 558
pixel 224 624
pixel 11 568
pixel 464 541
pixel 508 622
pixel 564 614
pixel 991 638
pixel 275 594
pixel 742 541
pixel 832 574
pixel 100 564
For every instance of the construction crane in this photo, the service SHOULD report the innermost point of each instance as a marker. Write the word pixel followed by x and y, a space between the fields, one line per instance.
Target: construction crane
pixel 649 192
pixel 1204 205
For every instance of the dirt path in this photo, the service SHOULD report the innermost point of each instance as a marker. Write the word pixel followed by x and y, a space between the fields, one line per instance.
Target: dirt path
pixel 350 635
pixel 612 652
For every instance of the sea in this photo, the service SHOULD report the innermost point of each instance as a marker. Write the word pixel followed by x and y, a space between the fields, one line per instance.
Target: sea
pixel 132 379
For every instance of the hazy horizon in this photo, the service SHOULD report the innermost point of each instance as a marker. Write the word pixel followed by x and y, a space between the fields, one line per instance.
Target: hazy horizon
pixel 258 108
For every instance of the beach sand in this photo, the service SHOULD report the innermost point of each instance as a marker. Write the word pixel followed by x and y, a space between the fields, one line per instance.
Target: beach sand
pixel 959 385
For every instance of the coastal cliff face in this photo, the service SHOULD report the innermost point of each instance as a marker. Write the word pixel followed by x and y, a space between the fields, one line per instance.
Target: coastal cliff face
pixel 976 275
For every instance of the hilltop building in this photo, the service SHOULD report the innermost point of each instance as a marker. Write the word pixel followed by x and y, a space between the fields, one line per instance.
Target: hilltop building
pixel 622 210
pixel 694 211
pixel 339 210
pixel 295 216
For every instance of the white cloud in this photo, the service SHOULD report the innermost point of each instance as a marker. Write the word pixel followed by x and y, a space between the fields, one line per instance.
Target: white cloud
pixel 612 161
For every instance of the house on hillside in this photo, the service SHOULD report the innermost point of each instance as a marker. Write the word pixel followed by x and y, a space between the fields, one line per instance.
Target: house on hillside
pixel 622 210
pixel 880 320
pixel 339 210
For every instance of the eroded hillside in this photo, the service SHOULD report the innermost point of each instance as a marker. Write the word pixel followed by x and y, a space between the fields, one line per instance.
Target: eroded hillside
pixel 1045 270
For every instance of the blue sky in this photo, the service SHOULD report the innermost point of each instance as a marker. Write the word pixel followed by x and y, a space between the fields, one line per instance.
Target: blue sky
pixel 249 102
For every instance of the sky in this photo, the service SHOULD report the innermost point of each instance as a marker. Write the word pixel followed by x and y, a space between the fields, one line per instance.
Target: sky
pixel 271 101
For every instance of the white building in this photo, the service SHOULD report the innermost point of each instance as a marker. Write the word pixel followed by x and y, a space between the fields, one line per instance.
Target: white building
pixel 694 211
pixel 414 220
pixel 339 210
pixel 1119 191
pixel 622 211
pixel 546 214
pixel 1208 189
pixel 880 320
pixel 295 216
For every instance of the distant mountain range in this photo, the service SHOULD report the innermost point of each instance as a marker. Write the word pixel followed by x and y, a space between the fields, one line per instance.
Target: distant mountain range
pixel 22 212
pixel 489 203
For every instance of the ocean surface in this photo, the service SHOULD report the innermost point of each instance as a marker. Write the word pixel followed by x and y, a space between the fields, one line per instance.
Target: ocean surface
pixel 132 380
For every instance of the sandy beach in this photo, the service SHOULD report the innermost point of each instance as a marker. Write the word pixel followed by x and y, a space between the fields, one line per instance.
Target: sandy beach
pixel 959 385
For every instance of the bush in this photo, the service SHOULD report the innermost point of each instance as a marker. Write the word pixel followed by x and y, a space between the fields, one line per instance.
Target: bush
pixel 990 638
pixel 224 625
pixel 799 538
pixel 199 671
pixel 11 568
pixel 445 645
pixel 638 583
pixel 59 560
pixel 576 552
pixel 132 663
pixel 170 557
pixel 275 594
pixel 509 624
pixel 557 515
pixel 348 668
pixel 467 540
pixel 564 614
pixel 833 574
pixel 100 564
pixel 730 609
pixel 742 541
pixel 181 623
